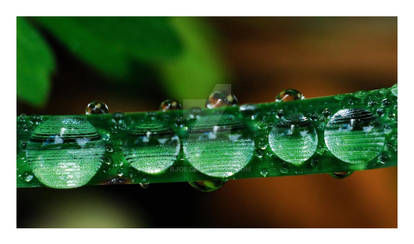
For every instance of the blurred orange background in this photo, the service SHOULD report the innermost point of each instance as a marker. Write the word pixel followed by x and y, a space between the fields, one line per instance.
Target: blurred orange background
pixel 318 56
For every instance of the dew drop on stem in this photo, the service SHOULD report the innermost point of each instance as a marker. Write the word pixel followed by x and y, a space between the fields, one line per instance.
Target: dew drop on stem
pixel 170 104
pixel 289 95
pixel 96 107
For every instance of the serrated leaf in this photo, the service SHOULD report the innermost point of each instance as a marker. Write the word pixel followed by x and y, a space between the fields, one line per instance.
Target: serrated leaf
pixel 35 63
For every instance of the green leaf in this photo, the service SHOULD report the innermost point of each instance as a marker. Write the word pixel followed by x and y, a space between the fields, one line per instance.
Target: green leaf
pixel 110 44
pixel 194 73
pixel 341 133
pixel 34 65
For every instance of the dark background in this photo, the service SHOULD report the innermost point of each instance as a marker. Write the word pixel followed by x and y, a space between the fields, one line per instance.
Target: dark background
pixel 318 56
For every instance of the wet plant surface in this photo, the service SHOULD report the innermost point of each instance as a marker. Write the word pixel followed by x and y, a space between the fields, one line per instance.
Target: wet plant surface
pixel 341 133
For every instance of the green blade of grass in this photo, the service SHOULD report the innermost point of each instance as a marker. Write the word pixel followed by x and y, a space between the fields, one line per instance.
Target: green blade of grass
pixel 346 132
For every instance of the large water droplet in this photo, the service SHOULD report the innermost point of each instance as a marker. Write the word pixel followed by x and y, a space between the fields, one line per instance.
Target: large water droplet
pixel 96 107
pixel 294 140
pixel 65 153
pixel 289 95
pixel 151 147
pixel 217 145
pixel 170 104
pixel 220 99
pixel 207 185
pixel 354 136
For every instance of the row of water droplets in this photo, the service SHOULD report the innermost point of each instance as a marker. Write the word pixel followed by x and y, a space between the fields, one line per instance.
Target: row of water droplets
pixel 292 140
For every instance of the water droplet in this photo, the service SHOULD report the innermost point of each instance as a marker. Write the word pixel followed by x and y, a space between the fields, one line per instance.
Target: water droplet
pixel 380 111
pixel 264 172
pixel 220 98
pixel 289 95
pixel 170 104
pixel 387 130
pixel 341 174
pixel 143 185
pixel 109 148
pixel 28 178
pixel 280 113
pixel 96 107
pixel 151 147
pixel 326 112
pixel 216 145
pixel 247 108
pixel 294 140
pixel 207 185
pixel 386 102
pixel 382 159
pixel 23 145
pixel 65 152
pixel 353 136
pixel 115 181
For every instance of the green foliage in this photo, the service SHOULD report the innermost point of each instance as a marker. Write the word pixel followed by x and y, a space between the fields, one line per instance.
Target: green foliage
pixel 111 43
pixel 194 73
pixel 34 65
pixel 180 49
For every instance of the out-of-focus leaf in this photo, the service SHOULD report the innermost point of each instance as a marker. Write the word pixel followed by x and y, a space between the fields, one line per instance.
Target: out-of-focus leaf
pixel 111 43
pixel 35 63
pixel 194 73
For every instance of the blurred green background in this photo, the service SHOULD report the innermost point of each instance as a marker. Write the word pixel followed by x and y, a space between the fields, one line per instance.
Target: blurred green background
pixel 134 63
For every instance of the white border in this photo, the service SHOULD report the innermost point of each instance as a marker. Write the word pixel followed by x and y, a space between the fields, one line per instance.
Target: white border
pixel 208 8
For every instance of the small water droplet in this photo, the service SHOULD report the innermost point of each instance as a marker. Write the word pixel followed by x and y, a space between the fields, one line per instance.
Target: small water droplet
pixel 143 185
pixel 109 148
pixel 326 112
pixel 382 159
pixel 115 181
pixel 386 102
pixel 96 107
pixel 280 113
pixel 341 174
pixel 387 130
pixel 207 185
pixel 247 108
pixel 220 98
pixel 264 172
pixel 28 178
pixel 170 104
pixel 380 111
pixel 23 145
pixel 289 95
